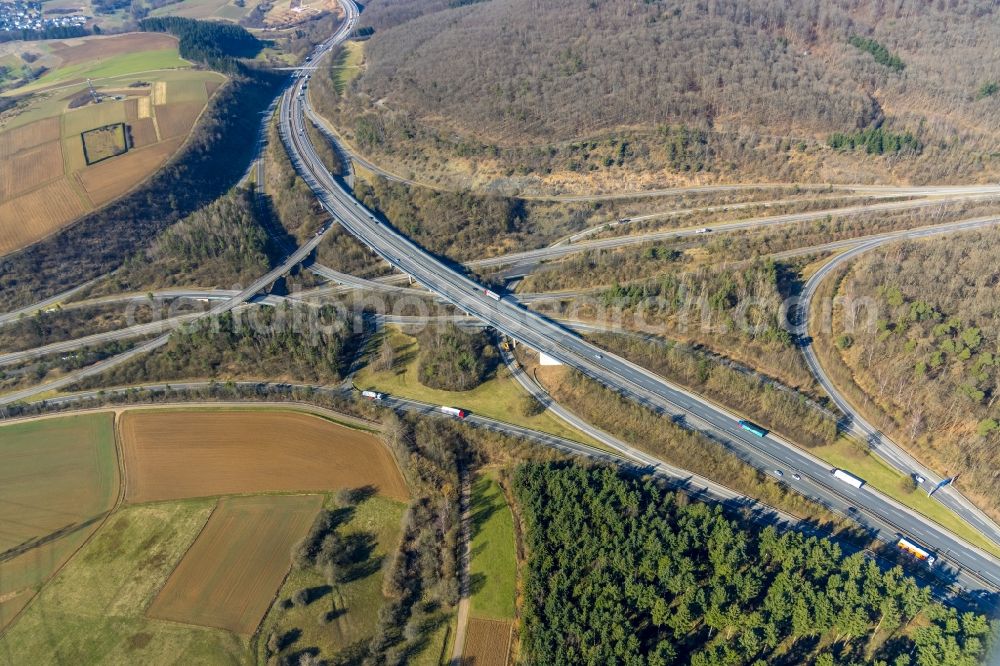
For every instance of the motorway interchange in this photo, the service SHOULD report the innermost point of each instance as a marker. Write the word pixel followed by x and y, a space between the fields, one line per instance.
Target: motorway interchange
pixel 959 561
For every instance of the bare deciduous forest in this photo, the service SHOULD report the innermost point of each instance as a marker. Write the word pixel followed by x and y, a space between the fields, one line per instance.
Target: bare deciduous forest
pixel 925 348
pixel 693 90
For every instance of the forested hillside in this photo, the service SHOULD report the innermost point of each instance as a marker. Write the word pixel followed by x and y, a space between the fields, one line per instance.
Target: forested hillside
pixel 623 572
pixel 222 244
pixel 920 338
pixel 750 88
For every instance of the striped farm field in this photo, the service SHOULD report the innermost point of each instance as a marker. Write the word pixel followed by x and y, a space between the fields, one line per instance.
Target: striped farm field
pixel 112 178
pixel 58 479
pixel 24 137
pixel 30 167
pixel 35 215
pixel 177 119
pixel 231 573
pixel 142 132
pixel 77 121
pixel 175 454
pixel 140 77
pixel 487 642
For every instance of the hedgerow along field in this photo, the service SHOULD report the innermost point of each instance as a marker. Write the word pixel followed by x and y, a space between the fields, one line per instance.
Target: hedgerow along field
pixel 104 142
pixel 345 613
pixel 95 609
pixel 229 577
pixel 173 454
pixel 58 479
pixel 46 181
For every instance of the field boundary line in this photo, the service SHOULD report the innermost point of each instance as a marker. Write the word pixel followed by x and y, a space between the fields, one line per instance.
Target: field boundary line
pixel 332 415
pixel 72 556
pixel 166 579
pixel 170 160
pixel 255 636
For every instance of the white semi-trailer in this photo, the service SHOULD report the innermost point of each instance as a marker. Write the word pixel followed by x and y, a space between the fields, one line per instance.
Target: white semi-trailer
pixel 372 395
pixel 916 551
pixel 848 478
pixel 453 411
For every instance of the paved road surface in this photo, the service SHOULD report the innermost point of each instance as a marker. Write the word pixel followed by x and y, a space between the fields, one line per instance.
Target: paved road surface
pixel 881 514
pixel 556 251
pixel 292 260
pixel 882 445
pixel 690 484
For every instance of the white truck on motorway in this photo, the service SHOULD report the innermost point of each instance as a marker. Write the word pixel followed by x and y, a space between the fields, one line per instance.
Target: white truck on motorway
pixel 916 551
pixel 848 478
pixel 372 395
pixel 453 411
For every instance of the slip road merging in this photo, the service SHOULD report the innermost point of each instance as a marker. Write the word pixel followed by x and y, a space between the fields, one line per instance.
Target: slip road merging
pixel 292 260
pixel 883 515
pixel 881 445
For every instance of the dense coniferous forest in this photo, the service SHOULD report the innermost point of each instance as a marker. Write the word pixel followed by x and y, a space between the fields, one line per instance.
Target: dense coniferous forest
pixel 735 80
pixel 54 32
pixel 216 44
pixel 622 571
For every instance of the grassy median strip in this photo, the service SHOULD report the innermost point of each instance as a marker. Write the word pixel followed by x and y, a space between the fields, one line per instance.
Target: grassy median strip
pixel 846 454
pixel 499 397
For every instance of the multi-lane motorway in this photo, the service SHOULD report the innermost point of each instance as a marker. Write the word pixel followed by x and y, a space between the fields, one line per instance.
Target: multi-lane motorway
pixel 886 517
pixel 290 261
pixel 881 445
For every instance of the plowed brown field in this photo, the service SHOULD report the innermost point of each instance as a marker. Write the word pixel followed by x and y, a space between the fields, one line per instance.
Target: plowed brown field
pixel 114 177
pixel 35 215
pixel 73 52
pixel 231 573
pixel 173 454
pixel 28 136
pixel 143 132
pixel 177 119
pixel 487 642
pixel 30 168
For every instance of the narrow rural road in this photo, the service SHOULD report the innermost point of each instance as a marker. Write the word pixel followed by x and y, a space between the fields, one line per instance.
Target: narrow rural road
pixel 464 555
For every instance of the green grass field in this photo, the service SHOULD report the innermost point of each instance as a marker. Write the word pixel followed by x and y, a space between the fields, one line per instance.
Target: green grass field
pixel 206 9
pixel 86 118
pixel 493 568
pixel 93 611
pixel 497 398
pixel 348 65
pixel 119 65
pixel 354 605
pixel 846 455
pixel 58 479
pixel 48 104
